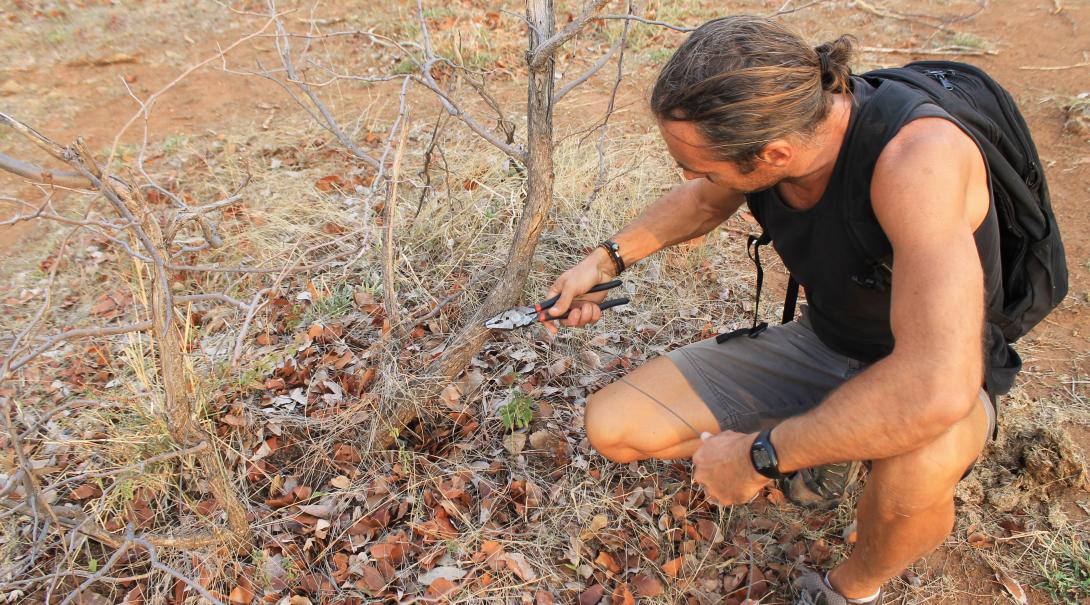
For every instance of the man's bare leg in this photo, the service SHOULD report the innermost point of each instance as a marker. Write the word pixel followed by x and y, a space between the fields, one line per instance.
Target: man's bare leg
pixel 624 424
pixel 907 507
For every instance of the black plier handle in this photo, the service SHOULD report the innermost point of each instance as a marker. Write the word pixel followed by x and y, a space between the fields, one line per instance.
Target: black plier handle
pixel 548 303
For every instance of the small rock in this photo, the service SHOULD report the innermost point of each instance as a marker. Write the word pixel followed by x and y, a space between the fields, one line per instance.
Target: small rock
pixel 1077 118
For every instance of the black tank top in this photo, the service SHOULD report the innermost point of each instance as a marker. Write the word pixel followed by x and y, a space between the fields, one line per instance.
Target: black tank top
pixel 847 288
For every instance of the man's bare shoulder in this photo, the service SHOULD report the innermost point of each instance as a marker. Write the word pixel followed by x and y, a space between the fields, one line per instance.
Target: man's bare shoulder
pixel 926 141
pixel 930 167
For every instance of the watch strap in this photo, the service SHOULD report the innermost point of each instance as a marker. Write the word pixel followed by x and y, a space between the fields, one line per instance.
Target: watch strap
pixel 763 456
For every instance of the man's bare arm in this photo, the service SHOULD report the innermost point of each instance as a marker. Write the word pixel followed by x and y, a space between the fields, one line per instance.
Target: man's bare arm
pixel 930 380
pixel 689 210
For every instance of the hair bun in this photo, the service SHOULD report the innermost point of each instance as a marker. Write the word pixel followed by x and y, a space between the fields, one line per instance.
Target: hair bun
pixel 834 60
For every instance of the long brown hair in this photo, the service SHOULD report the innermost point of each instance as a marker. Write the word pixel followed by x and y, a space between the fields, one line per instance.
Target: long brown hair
pixel 746 81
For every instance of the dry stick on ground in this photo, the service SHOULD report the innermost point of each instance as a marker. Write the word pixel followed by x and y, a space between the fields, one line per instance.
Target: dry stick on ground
pixel 1055 67
pixel 964 51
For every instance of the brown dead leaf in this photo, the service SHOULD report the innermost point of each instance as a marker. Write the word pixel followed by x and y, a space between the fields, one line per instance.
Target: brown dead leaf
pixel 440 587
pixel 367 378
pixel 240 595
pixel 543 597
pixel 647 585
pixel 373 579
pixel 85 491
pixel 672 567
pixel 707 529
pixel 980 540
pixel 328 183
pixel 622 595
pixel 608 561
pixel 1012 586
pixel 592 595
pixel 518 565
pixel 134 596
pixel 340 482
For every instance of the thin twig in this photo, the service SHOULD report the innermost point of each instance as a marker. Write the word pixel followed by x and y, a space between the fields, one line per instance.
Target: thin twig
pixel 283 47
pixel 679 28
pixel 600 146
pixel 42 175
pixel 1055 67
pixel 941 50
pixel 547 49
pixel 428 81
pixel 586 75
pixel 389 272
pixel 76 334
pixel 217 296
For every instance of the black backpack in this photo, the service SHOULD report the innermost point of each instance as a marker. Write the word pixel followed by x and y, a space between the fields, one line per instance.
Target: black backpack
pixel 1034 268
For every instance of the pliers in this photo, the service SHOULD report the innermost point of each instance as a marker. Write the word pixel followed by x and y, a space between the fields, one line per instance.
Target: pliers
pixel 518 317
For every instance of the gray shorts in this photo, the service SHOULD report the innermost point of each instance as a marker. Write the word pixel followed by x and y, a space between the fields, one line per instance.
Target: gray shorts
pixel 753 383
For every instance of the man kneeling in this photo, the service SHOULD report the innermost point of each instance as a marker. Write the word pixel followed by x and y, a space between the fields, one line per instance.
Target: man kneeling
pixel 888 375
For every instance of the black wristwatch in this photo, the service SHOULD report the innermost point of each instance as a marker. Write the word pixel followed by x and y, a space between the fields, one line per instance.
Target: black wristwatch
pixel 763 456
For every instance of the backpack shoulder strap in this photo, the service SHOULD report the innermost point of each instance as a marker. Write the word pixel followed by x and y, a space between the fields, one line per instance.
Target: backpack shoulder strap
pixel 878 121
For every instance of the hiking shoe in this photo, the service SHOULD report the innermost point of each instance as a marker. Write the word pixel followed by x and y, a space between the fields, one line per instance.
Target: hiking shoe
pixel 823 486
pixel 814 589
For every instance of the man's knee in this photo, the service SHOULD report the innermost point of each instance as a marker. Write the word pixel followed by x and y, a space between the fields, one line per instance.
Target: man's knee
pixel 924 479
pixel 605 427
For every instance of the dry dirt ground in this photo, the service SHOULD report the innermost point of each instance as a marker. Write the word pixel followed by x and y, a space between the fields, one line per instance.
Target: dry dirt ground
pixel 480 507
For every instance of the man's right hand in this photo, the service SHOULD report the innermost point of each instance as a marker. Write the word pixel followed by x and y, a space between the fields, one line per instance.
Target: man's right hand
pixel 573 285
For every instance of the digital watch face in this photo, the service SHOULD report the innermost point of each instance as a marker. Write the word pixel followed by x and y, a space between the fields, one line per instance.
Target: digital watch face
pixel 761 458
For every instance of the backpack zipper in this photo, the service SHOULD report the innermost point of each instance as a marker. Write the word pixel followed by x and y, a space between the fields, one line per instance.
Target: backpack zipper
pixel 940 75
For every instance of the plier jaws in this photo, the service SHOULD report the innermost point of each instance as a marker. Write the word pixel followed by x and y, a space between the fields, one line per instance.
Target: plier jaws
pixel 518 317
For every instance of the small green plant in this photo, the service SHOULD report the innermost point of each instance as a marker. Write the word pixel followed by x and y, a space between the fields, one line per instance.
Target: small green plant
pixel 338 303
pixel 404 67
pixel 517 413
pixel 173 143
pixel 1067 572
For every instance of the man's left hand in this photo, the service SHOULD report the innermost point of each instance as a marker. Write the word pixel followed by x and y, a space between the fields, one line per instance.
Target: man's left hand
pixel 722 466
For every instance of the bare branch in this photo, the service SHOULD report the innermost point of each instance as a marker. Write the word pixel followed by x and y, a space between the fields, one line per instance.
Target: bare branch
pixel 42 175
pixel 389 273
pixel 680 28
pixel 548 48
pixel 1055 67
pixel 217 296
pixel 599 64
pixel 603 166
pixel 77 334
pixel 283 47
pixel 144 104
pixel 942 50
pixel 428 80
pixel 251 310
pixel 785 10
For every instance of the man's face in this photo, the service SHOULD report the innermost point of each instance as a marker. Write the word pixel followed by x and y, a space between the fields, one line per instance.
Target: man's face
pixel 692 154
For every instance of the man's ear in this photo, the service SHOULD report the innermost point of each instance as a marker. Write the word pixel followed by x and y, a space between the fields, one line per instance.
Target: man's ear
pixel 777 154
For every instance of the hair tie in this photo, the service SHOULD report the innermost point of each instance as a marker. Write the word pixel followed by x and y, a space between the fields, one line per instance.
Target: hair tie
pixel 823 61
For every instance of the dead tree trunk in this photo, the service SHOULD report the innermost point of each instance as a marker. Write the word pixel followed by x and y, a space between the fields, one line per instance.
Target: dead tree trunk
pixel 539 195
